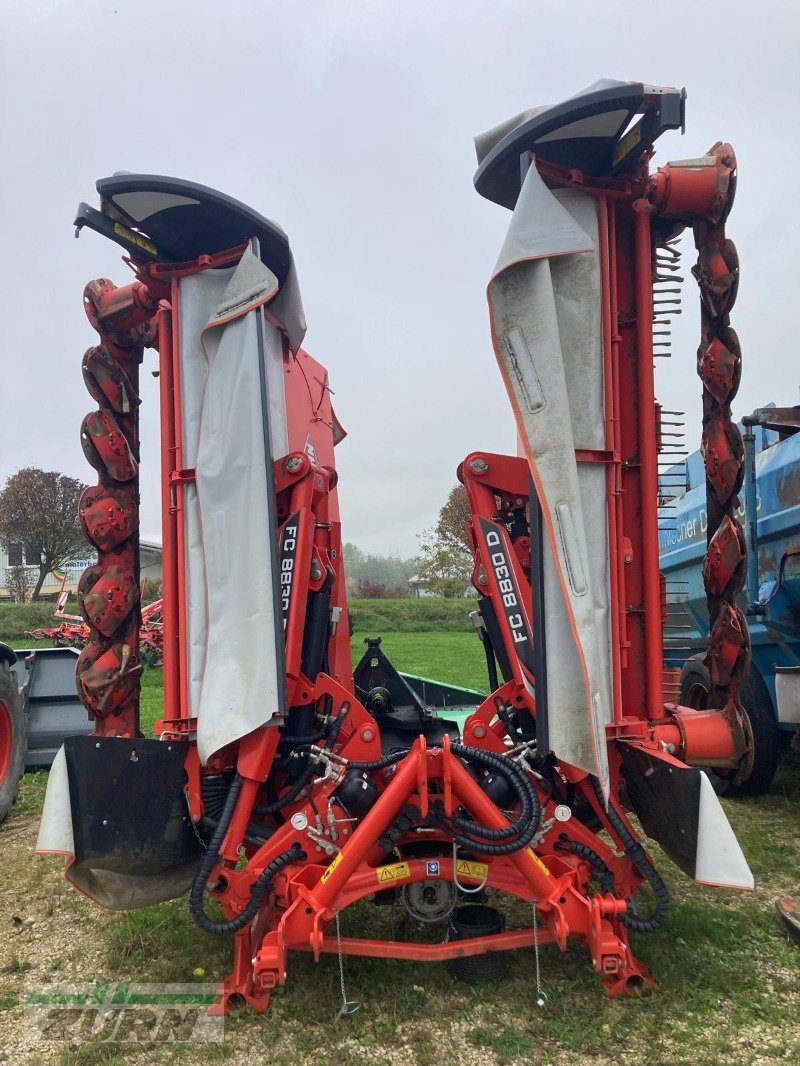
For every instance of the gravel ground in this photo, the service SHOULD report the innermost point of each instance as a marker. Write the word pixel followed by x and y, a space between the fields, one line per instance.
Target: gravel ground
pixel 50 934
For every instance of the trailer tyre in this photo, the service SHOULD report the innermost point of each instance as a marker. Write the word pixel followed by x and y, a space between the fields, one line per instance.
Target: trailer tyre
pixel 13 739
pixel 695 686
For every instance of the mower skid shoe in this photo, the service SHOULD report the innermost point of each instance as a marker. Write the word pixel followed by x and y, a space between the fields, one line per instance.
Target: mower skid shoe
pixel 120 804
pixel 678 807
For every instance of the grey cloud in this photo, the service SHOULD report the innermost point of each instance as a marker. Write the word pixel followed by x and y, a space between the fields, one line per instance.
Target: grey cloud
pixel 351 124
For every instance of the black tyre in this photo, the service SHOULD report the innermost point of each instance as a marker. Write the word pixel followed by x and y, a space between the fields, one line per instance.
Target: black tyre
pixel 695 686
pixel 13 739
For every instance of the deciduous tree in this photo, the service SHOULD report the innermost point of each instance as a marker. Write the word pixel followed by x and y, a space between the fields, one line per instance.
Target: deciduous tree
pixel 446 561
pixel 18 583
pixel 39 508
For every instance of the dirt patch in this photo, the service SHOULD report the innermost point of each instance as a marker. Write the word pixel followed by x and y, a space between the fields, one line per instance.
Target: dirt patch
pixel 730 981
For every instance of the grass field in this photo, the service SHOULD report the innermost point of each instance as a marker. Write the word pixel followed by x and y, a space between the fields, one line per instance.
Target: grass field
pixel 729 977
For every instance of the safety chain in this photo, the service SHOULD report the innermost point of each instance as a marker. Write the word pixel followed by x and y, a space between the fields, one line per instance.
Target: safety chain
pixel 719 367
pixel 349 1006
pixel 108 669
pixel 541 995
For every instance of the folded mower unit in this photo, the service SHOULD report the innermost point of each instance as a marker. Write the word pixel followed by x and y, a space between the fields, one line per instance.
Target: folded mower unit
pixel 280 787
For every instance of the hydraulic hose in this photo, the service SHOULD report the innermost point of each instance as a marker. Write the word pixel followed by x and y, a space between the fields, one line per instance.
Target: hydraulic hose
pixel 290 796
pixel 523 828
pixel 330 735
pixel 638 856
pixel 380 764
pixel 530 812
pixel 293 739
pixel 260 887
pixel 604 875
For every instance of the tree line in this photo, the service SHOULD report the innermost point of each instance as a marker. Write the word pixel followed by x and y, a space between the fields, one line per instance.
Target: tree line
pixel 40 531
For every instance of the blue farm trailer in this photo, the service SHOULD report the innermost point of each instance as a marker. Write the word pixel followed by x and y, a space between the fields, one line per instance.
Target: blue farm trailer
pixel 770 512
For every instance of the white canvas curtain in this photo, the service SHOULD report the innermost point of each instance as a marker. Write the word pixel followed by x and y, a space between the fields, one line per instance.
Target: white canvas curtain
pixel 232 625
pixel 231 640
pixel 544 302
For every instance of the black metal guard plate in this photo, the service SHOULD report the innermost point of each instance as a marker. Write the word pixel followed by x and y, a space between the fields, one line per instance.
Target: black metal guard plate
pixel 129 811
pixel 185 220
pixel 596 146
pixel 666 799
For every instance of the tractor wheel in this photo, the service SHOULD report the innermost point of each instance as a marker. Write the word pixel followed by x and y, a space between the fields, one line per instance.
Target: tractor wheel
pixel 695 687
pixel 13 739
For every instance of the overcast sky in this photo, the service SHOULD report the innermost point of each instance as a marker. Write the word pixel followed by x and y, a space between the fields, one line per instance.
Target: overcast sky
pixel 351 125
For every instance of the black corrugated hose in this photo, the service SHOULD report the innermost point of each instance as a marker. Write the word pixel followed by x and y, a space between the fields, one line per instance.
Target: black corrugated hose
pixel 330 735
pixel 604 875
pixel 523 828
pixel 291 795
pixel 638 856
pixel 260 887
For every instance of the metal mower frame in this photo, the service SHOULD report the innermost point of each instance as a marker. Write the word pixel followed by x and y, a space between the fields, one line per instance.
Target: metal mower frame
pixel 289 840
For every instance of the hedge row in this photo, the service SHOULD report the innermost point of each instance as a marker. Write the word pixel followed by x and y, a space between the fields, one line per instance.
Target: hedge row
pixel 417 615
pixel 16 618
pixel 424 615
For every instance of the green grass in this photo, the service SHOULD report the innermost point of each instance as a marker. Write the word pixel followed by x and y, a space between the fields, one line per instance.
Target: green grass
pixel 729 978
pixel 152 701
pixel 411 615
pixel 426 614
pixel 456 658
pixel 17 618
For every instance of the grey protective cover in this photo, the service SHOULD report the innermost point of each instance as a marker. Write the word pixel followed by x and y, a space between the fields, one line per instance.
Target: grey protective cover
pixel 544 304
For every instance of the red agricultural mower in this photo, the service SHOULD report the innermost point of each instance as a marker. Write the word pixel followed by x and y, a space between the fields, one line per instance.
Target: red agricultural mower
pixel 286 786
pixel 75 632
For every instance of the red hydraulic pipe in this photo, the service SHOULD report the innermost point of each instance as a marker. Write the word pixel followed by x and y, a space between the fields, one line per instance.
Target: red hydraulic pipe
pixel 177 509
pixel 612 445
pixel 613 386
pixel 485 812
pixel 648 465
pixel 382 814
pixel 172 699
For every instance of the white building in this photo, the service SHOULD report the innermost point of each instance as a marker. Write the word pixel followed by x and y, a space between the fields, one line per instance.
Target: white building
pixel 14 555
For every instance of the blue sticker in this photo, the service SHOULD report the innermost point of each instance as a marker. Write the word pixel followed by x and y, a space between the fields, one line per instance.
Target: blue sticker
pixel 433 869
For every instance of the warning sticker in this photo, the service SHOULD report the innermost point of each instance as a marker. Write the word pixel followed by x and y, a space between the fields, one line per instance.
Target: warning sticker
pixel 478 870
pixel 537 860
pixel 331 868
pixel 395 871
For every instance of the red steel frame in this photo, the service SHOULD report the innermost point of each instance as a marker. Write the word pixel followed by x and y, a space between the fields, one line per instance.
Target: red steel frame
pixel 346 862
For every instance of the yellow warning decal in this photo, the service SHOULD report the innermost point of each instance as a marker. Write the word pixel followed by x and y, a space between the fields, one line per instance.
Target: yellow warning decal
pixel 628 142
pixel 478 870
pixel 537 860
pixel 395 871
pixel 331 868
pixel 135 238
